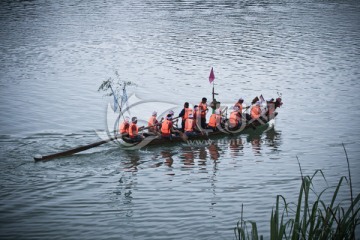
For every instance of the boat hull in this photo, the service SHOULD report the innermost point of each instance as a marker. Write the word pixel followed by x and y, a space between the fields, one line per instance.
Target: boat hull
pixel 151 140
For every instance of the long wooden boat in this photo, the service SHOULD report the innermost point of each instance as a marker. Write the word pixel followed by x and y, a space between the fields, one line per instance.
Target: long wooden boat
pixel 152 140
pixel 257 125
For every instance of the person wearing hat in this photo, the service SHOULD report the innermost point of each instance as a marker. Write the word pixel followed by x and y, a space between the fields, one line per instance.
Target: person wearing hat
pixel 203 109
pixel 167 127
pixel 153 123
pixel 256 111
pixel 184 114
pixel 124 127
pixel 134 130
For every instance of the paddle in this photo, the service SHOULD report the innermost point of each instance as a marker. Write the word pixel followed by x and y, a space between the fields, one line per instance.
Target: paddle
pixel 81 148
pixel 72 151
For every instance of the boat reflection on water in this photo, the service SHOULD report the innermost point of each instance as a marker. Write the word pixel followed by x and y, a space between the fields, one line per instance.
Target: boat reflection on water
pixel 270 140
pixel 187 157
pixel 214 151
pixel 132 161
pixel 236 147
pixel 273 139
pixel 255 141
pixel 168 159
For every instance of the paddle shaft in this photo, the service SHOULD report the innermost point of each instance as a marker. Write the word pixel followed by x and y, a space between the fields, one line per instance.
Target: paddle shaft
pixel 73 151
pixel 77 149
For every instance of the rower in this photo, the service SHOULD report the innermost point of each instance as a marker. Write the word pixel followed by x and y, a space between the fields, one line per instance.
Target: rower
pixel 189 126
pixel 153 123
pixel 174 120
pixel 215 120
pixel 167 127
pixel 184 114
pixel 256 111
pixel 124 127
pixel 203 109
pixel 235 117
pixel 134 131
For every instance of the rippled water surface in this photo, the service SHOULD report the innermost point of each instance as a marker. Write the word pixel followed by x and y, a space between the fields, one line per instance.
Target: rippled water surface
pixel 54 56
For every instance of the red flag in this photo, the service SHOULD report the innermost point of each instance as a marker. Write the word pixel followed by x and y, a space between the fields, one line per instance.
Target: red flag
pixel 212 76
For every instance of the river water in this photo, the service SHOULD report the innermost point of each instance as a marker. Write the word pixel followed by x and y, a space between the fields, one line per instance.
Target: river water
pixel 55 54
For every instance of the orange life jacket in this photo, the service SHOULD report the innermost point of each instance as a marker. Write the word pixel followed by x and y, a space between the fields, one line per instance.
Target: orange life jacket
pixel 212 120
pixel 187 112
pixel 166 127
pixel 133 130
pixel 234 119
pixel 255 112
pixel 124 128
pixel 151 123
pixel 189 125
pixel 203 107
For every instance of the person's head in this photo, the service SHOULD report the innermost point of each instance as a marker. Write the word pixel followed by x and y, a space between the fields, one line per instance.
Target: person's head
pixel 169 117
pixel 154 113
pixel 134 120
pixel 217 104
pixel 126 119
pixel 196 107
pixel 171 112
pixel 186 105
pixel 241 100
pixel 203 100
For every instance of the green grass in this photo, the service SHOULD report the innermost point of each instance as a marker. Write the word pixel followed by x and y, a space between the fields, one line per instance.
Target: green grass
pixel 309 219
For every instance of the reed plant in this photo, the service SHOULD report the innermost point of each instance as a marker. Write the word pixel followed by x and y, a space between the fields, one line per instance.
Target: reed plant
pixel 309 219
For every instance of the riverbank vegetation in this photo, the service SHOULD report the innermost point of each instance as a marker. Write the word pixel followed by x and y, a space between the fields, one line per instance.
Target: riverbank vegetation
pixel 312 217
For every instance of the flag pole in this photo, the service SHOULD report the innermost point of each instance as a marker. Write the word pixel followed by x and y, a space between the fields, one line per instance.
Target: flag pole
pixel 213 91
pixel 211 79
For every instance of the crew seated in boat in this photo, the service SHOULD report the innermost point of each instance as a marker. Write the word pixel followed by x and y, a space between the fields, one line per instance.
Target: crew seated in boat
pixel 184 114
pixel 124 127
pixel 153 123
pixel 190 126
pixel 215 120
pixel 167 127
pixel 235 119
pixel 134 131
